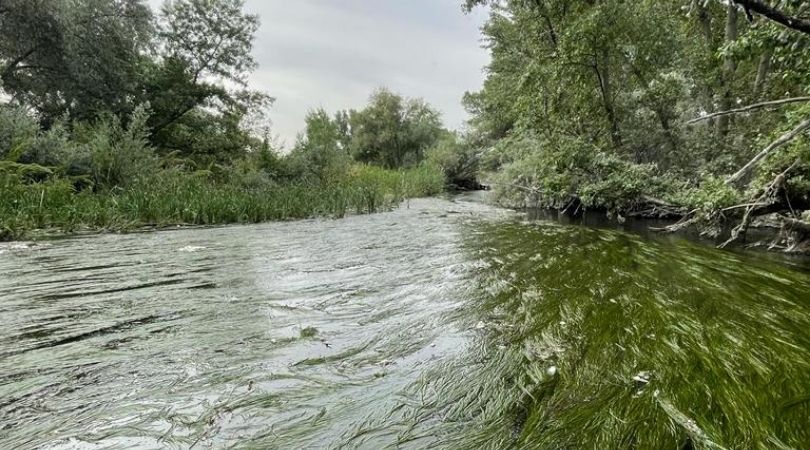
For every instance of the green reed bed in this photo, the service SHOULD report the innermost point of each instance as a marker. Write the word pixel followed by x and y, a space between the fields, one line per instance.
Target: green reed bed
pixel 175 198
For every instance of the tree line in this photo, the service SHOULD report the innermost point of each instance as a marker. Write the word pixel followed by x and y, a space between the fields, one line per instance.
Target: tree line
pixel 112 98
pixel 688 108
pixel 84 74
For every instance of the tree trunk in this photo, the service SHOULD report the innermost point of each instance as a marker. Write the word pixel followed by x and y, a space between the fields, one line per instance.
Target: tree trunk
pixel 762 72
pixel 705 21
pixel 603 74
pixel 705 24
pixel 729 67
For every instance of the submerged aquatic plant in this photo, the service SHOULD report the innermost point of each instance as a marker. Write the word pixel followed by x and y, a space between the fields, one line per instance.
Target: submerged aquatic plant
pixel 597 339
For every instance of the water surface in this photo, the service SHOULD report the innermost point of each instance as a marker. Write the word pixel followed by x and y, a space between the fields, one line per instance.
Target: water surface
pixel 443 324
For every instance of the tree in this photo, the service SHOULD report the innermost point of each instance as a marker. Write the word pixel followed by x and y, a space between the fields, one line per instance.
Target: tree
pixel 319 149
pixel 392 131
pixel 78 58
pixel 204 45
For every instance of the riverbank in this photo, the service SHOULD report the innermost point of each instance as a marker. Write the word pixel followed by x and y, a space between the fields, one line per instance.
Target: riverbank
pixel 183 199
pixel 766 226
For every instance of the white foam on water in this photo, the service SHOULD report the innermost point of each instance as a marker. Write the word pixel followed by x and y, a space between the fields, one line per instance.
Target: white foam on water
pixel 191 249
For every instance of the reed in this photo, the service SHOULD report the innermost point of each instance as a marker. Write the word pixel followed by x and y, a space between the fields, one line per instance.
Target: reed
pixel 177 198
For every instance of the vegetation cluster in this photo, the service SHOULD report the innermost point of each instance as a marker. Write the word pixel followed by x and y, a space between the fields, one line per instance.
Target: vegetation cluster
pixel 693 109
pixel 114 116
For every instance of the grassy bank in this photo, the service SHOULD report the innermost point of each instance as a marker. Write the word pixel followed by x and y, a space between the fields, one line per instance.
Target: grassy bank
pixel 180 198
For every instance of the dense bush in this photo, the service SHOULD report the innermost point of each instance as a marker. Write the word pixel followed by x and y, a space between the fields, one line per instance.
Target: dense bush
pixel 458 159
pixel 533 172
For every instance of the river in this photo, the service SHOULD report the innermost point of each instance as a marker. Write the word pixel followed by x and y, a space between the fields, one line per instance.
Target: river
pixel 442 324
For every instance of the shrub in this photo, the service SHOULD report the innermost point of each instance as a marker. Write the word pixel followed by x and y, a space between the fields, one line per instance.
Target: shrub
pixel 711 195
pixel 541 173
pixel 457 159
pixel 18 130
pixel 114 155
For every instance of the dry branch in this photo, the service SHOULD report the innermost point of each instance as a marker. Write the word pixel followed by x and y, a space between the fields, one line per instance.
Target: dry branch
pixel 748 108
pixel 792 224
pixel 784 139
pixel 769 192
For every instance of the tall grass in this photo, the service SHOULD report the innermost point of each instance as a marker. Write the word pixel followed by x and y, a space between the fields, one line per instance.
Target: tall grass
pixel 178 198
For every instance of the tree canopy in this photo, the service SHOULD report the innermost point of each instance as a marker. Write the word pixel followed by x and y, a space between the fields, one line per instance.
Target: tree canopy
pixel 393 131
pixel 632 106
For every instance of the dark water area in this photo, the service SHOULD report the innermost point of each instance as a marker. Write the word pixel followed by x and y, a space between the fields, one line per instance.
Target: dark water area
pixel 755 242
pixel 442 324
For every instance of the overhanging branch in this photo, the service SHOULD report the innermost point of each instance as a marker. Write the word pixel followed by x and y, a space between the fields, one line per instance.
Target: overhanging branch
pixel 748 108
pixel 783 140
pixel 774 14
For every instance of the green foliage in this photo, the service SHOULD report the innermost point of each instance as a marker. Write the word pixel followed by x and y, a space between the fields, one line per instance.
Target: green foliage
pixel 206 49
pixel 320 151
pixel 458 159
pixel 711 195
pixel 591 100
pixel 798 183
pixel 87 51
pixel 18 131
pixel 542 173
pixel 212 38
pixel 174 197
pixel 393 131
pixel 26 172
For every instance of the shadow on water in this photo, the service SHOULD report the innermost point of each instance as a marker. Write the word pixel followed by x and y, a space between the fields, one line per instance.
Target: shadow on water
pixel 754 243
pixel 444 324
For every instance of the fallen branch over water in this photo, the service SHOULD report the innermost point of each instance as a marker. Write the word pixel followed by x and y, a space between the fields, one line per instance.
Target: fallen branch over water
pixel 770 191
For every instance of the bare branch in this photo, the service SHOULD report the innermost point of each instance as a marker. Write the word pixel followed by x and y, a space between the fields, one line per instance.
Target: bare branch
pixel 784 139
pixel 777 184
pixel 795 224
pixel 748 108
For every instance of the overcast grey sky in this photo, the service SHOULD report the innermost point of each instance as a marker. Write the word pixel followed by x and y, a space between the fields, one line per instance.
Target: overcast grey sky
pixel 333 53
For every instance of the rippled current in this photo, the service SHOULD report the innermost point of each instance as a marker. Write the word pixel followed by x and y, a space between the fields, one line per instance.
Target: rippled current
pixel 422 327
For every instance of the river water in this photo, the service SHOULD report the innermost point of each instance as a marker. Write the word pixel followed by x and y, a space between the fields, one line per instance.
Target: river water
pixel 442 324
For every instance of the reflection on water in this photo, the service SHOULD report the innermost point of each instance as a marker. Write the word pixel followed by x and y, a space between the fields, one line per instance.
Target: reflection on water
pixel 445 324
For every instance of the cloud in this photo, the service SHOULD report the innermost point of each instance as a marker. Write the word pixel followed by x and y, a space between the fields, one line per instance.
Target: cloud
pixel 334 53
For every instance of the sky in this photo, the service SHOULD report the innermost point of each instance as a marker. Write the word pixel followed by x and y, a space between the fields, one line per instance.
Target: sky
pixel 332 54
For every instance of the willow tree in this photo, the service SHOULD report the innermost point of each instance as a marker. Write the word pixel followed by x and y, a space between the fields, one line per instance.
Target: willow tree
pixel 197 86
pixel 393 131
pixel 78 57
